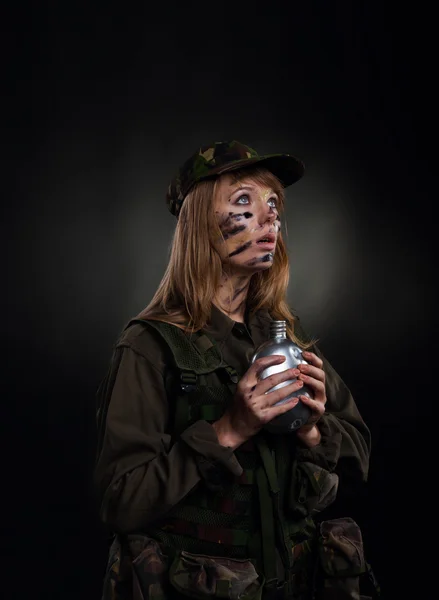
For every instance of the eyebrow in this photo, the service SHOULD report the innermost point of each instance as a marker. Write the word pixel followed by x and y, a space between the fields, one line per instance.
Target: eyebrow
pixel 251 188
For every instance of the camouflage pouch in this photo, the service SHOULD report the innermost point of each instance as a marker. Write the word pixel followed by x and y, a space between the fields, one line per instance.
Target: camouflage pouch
pixel 312 489
pixel 342 560
pixel 136 570
pixel 149 568
pixel 117 580
pixel 207 577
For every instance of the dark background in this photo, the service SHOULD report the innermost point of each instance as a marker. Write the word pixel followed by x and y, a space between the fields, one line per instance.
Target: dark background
pixel 103 104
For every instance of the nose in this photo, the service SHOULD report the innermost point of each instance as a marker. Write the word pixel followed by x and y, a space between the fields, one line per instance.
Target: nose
pixel 266 214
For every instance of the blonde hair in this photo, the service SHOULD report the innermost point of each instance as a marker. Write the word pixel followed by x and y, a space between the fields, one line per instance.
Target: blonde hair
pixel 185 294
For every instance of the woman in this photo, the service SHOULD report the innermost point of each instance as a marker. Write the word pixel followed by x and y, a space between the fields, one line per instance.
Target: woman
pixel 203 500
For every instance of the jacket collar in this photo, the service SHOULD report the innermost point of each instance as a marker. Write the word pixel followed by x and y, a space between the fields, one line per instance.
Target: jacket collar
pixel 220 326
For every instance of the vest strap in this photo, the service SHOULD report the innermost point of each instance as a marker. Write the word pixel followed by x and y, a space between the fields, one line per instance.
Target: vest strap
pixel 203 343
pixel 232 373
pixel 267 486
pixel 233 378
pixel 183 345
pixel 188 380
pixel 267 528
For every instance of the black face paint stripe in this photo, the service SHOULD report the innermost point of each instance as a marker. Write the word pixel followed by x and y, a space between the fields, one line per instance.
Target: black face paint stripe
pixel 265 258
pixel 236 217
pixel 234 231
pixel 228 227
pixel 240 249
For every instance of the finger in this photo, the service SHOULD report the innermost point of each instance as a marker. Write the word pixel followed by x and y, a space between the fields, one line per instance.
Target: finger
pixel 280 409
pixel 315 384
pixel 312 358
pixel 260 364
pixel 278 395
pixel 317 408
pixel 315 372
pixel 273 380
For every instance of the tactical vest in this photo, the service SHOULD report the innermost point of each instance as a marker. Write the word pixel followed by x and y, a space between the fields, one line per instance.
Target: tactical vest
pixel 223 544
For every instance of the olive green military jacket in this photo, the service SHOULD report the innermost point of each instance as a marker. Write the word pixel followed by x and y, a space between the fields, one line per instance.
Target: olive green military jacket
pixel 142 472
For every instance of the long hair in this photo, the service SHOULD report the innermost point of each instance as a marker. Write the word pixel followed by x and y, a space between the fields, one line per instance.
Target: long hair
pixel 185 294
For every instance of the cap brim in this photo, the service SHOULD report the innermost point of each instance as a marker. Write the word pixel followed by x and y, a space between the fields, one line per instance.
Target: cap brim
pixel 287 168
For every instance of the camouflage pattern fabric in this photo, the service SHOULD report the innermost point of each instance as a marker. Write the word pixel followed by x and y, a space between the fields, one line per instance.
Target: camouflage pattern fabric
pixel 221 157
pixel 342 560
pixel 136 570
pixel 118 576
pixel 312 489
pixel 150 569
pixel 205 577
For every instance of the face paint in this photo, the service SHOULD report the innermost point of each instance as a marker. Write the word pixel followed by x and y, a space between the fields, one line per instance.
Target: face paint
pixel 233 231
pixel 240 249
pixel 228 227
pixel 242 225
pixel 266 258
pixel 238 216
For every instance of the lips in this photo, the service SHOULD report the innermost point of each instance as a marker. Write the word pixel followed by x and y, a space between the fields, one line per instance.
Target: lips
pixel 268 238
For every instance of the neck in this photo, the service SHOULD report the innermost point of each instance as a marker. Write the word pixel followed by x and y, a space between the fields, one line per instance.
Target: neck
pixel 231 296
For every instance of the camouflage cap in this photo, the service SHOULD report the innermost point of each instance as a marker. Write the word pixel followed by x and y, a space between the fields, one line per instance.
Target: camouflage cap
pixel 220 157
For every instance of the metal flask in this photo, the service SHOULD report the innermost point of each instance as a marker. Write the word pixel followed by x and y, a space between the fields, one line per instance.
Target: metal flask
pixel 278 343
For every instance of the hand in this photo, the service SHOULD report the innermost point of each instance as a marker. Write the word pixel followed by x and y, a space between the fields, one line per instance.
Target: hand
pixel 313 376
pixel 252 408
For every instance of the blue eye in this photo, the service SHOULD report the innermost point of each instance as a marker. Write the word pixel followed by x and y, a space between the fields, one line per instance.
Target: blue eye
pixel 272 201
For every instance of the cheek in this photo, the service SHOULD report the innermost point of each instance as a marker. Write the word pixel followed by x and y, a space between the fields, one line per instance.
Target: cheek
pixel 236 227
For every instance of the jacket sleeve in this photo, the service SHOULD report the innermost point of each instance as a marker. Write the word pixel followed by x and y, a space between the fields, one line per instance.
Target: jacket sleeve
pixel 345 443
pixel 141 472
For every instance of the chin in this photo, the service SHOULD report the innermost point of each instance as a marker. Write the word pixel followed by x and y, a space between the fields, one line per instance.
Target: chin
pixel 260 263
pixel 263 261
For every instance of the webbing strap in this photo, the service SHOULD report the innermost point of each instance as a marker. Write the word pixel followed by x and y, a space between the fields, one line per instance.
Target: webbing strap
pixel 267 528
pixel 188 379
pixel 268 485
pixel 232 373
pixel 269 466
pixel 203 343
pixel 181 416
pixel 268 488
pixel 233 378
